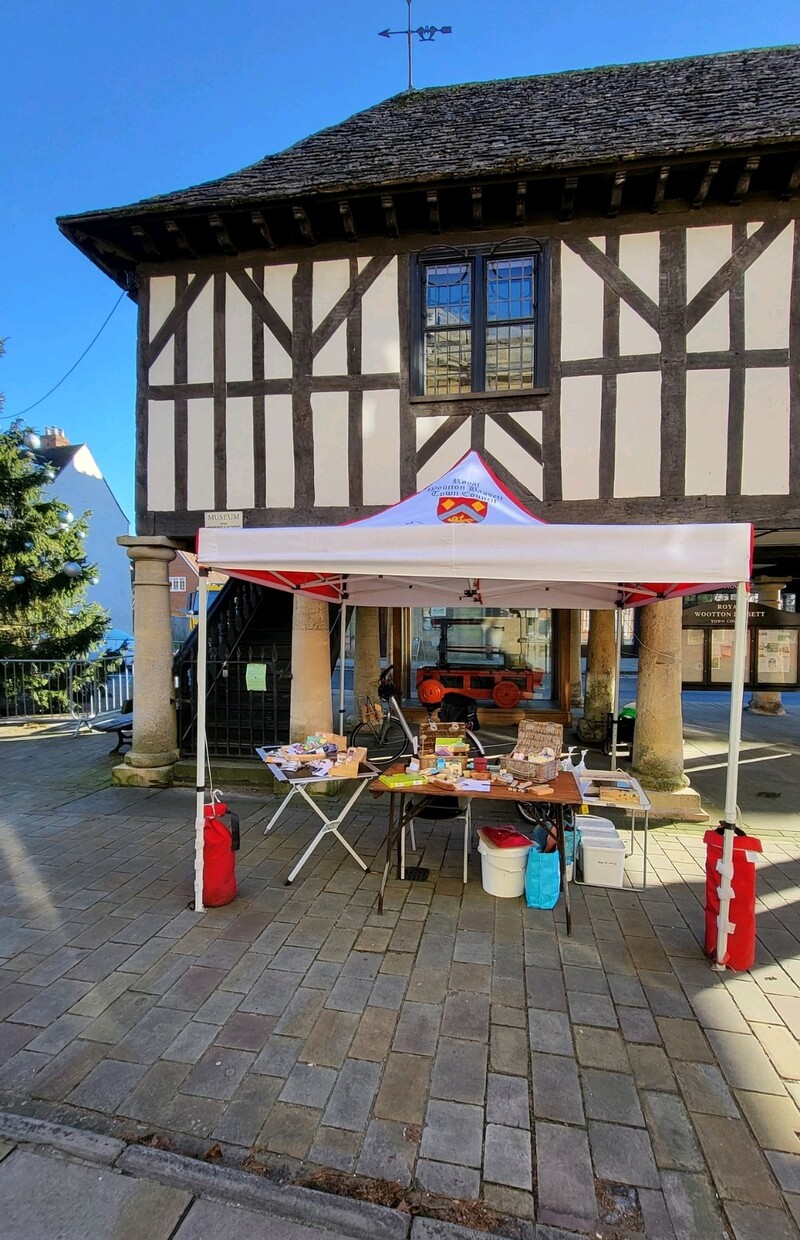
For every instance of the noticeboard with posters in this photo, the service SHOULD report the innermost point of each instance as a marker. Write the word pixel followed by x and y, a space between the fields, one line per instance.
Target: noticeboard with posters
pixel 773 644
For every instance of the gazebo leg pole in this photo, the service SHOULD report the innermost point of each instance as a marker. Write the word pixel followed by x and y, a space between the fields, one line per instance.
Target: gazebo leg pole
pixel 732 781
pixel 617 669
pixel 342 635
pixel 200 765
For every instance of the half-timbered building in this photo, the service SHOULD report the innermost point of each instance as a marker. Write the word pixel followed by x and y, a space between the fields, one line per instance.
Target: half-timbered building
pixel 592 278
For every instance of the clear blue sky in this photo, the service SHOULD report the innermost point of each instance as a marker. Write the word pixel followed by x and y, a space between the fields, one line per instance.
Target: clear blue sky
pixel 106 103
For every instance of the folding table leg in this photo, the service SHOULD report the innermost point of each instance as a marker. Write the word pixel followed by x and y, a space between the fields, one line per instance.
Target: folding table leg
pixel 562 865
pixel 298 867
pixel 283 805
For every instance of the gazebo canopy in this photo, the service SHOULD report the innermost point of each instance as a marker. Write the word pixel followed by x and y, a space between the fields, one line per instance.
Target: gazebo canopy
pixel 466 540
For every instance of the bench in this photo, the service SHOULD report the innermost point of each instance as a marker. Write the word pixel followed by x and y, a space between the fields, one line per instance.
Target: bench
pixel 122 724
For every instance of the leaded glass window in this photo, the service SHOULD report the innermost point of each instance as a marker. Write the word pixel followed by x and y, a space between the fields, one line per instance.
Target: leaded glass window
pixel 480 322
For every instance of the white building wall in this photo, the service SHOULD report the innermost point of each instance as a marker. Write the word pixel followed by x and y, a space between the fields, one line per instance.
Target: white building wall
pixel 81 486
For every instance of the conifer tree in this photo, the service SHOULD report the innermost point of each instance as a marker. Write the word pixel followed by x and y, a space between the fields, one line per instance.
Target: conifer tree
pixel 44 572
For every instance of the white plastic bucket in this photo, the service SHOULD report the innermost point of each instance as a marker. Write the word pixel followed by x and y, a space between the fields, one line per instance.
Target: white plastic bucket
pixel 503 869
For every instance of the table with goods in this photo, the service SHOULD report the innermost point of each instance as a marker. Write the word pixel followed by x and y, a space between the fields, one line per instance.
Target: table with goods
pixel 531 774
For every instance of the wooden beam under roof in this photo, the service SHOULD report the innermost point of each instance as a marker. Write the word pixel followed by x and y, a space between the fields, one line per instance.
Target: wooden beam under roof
pixel 221 234
pixel 348 223
pixel 304 224
pixel 712 168
pixel 390 215
pixel 745 177
pixel 567 207
pixel 616 194
pixel 522 198
pixel 176 233
pixel 661 186
pixel 433 211
pixel 791 186
pixel 476 194
pixel 263 228
pixel 140 234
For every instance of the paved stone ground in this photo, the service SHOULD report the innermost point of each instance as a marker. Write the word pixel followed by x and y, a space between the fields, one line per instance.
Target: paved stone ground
pixel 459 1042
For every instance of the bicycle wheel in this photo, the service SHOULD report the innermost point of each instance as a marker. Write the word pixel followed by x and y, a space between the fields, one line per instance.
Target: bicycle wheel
pixel 382 743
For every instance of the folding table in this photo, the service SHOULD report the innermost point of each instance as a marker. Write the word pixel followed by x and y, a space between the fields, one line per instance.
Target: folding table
pixel 298 785
pixel 641 806
pixel 565 791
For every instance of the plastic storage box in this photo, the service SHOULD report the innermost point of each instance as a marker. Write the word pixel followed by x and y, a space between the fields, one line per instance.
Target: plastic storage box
pixel 603 860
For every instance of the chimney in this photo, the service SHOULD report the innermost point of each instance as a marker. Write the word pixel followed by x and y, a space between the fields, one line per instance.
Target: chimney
pixel 54 437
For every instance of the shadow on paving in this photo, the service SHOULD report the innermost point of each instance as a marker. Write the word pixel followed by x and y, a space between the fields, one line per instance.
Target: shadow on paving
pixel 457 1045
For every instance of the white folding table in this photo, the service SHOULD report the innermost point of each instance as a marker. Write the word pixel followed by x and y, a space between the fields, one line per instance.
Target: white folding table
pixel 298 786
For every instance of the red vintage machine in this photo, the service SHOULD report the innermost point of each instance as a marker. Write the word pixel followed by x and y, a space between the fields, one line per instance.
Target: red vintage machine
pixel 505 686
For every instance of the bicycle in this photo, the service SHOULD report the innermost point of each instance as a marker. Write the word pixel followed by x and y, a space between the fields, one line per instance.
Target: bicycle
pixel 390 737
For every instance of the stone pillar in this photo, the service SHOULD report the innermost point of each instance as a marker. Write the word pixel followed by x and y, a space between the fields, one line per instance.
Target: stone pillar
pixel 311 705
pixel 367 658
pixel 599 698
pixel 658 737
pixel 765 701
pixel 154 748
pixel 575 675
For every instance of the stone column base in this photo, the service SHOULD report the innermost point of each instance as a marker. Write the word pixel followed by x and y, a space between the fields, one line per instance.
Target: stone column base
pixel 142 776
pixel 765 707
pixel 682 805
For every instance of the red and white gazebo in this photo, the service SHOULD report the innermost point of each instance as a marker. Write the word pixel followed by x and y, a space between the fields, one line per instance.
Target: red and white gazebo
pixel 467 540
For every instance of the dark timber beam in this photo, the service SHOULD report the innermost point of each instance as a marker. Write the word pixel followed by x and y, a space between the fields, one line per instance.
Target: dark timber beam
pixel 177 235
pixel 263 228
pixel 705 185
pixel 304 224
pixel 568 198
pixel 390 215
pixel 145 241
pixel 433 211
pixel 745 177
pixel 791 186
pixel 348 223
pixel 476 194
pixel 661 186
pixel 221 235
pixel 522 198
pixel 616 194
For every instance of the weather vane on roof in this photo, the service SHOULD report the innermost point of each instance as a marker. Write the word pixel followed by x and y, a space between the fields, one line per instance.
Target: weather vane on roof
pixel 426 35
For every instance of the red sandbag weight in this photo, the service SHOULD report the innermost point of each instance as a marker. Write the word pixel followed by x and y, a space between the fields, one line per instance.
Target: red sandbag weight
pixel 220 844
pixel 741 949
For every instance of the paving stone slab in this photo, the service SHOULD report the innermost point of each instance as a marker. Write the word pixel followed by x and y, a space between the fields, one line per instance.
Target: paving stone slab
pixel 353 1095
pixel 704 1089
pixel 592 1009
pixel 556 1089
pixel 744 1063
pixel 459 1071
pixel 453 1132
pixel 448 1180
pixel 623 1154
pixel 404 1088
pixel 638 1026
pixel 507 1100
pixel 759 1222
pixel 388 1152
pixel 45 1197
pixel 418 1028
pixel 602 1048
pixel 735 1160
pixel 656 1215
pixel 335 1147
pixel 671 1133
pixel 565 1179
pixel 550 1032
pixel 693 1206
pixel 611 1096
pixel 466 1016
pixel 775 1121
pixel 507 1156
pixel 308 1085
pixel 787 1170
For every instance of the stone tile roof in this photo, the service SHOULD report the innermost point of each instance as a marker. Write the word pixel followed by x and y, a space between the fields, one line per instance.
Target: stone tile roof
pixel 526 126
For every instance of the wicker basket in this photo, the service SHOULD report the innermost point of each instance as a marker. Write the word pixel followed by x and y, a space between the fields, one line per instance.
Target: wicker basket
pixel 430 733
pixel 532 738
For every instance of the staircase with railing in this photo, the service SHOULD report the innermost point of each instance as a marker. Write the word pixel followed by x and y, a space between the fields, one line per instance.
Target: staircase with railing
pixel 249 659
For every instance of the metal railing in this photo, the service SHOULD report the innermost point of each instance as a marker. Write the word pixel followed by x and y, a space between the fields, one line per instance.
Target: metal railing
pixel 80 689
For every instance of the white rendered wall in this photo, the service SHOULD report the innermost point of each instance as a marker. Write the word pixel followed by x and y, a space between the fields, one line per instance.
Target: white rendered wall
pixel 81 486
